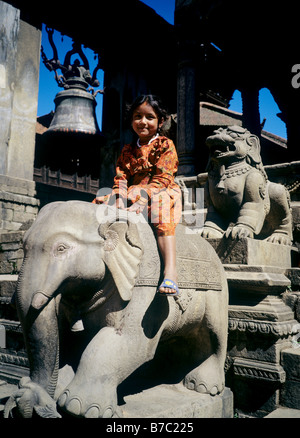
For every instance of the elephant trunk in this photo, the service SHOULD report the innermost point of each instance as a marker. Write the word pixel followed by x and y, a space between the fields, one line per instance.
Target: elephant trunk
pixel 38 283
pixel 37 287
pixel 37 313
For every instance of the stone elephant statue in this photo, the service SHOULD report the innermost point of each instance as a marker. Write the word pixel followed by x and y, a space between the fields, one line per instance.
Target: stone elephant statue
pixel 86 298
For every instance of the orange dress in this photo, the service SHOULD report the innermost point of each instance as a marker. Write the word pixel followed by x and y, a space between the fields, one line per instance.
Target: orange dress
pixel 147 172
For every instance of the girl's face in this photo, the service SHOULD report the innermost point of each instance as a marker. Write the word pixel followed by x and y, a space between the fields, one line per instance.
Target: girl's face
pixel 145 122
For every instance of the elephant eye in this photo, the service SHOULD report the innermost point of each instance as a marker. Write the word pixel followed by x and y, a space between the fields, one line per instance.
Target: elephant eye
pixel 61 247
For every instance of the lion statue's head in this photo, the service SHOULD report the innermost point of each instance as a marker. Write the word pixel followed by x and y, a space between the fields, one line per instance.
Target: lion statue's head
pixel 233 144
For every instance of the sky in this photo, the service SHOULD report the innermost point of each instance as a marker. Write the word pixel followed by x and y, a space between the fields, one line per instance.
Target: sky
pixel 268 109
pixel 165 8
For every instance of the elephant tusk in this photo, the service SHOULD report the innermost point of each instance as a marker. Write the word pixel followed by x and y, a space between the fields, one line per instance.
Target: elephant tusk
pixel 39 300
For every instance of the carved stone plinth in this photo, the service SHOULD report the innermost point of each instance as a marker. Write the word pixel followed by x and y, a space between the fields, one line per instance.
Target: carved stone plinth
pixel 176 401
pixel 261 323
pixel 252 252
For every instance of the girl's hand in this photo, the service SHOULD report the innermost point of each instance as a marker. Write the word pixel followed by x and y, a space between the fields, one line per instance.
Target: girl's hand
pixel 117 202
pixel 138 207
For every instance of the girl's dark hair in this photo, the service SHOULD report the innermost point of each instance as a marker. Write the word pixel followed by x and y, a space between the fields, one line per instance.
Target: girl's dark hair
pixel 153 101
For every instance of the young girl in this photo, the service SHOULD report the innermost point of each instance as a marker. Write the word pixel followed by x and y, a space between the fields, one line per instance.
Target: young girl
pixel 145 179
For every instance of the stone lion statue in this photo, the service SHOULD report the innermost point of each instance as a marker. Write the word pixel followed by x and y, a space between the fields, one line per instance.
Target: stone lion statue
pixel 241 202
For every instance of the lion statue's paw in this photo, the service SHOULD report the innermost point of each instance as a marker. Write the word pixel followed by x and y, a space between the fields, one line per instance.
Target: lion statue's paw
pixel 280 238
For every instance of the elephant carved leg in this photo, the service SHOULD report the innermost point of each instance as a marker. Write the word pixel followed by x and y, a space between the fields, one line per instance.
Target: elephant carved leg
pixel 90 399
pixel 210 349
pixel 93 391
pixel 207 378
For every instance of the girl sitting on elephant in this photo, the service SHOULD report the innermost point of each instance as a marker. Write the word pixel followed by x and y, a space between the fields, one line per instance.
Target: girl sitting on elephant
pixel 145 178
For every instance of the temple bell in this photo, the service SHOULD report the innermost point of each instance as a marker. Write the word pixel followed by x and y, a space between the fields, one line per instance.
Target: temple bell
pixel 74 132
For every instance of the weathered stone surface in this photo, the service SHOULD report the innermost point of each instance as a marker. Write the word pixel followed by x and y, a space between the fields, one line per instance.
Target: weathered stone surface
pixel 7 285
pixel 20 44
pixel 17 185
pixel 293 275
pixel 11 252
pixel 24 107
pixel 9 23
pixel 284 413
pixel 292 299
pixel 6 390
pixel 175 401
pixel 259 370
pixel 257 279
pixel 248 251
pixel 16 210
pixel 291 362
pixel 290 395
pixel 261 320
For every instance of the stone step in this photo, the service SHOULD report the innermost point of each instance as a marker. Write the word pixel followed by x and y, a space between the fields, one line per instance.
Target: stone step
pixel 290 359
pixel 284 413
pixel 176 401
pixel 12 349
pixel 8 284
pixel 255 252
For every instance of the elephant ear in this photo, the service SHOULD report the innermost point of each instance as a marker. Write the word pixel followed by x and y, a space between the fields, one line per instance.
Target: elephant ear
pixel 123 250
pixel 254 149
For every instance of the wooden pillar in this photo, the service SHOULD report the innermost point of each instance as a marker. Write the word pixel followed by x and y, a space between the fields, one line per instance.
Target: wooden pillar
pixel 187 110
pixel 251 115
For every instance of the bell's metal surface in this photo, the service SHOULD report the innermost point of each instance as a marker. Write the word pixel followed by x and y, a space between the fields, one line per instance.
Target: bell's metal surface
pixel 74 113
pixel 75 105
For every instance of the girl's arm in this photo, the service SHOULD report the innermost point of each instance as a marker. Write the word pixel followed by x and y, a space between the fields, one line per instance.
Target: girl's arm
pixel 122 175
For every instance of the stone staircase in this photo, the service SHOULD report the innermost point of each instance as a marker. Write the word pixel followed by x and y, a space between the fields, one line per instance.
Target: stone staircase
pixel 13 358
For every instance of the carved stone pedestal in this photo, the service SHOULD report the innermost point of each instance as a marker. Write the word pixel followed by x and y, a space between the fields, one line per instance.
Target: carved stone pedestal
pixel 261 324
pixel 175 401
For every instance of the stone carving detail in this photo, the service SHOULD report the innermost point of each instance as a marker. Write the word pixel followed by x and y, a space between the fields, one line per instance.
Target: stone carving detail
pixel 277 329
pixel 241 201
pixel 89 322
pixel 13 359
pixel 196 266
pixel 258 370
